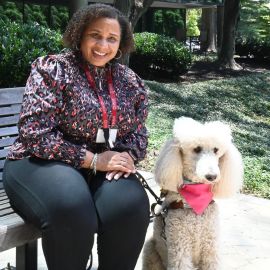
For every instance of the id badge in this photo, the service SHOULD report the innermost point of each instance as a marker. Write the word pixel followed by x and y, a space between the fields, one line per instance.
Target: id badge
pixel 112 136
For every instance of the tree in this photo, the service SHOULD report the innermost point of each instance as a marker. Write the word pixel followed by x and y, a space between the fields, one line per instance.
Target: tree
pixel 192 22
pixel 208 30
pixel 231 15
pixel 254 19
pixel 133 9
pixel 168 21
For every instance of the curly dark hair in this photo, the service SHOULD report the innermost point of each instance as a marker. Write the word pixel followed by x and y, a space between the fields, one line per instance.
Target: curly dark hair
pixel 85 16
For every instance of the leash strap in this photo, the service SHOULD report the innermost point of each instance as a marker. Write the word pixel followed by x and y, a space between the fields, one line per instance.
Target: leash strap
pixel 157 198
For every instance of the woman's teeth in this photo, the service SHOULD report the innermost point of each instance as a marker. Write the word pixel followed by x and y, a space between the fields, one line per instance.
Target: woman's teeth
pixel 99 53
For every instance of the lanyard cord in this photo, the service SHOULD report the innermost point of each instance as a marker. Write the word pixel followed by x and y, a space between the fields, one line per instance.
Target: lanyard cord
pixel 92 84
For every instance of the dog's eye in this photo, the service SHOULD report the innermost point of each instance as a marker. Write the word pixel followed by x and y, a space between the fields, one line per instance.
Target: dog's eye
pixel 197 150
pixel 215 150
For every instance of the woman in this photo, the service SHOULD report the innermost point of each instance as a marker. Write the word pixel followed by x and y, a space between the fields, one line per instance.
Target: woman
pixel 81 130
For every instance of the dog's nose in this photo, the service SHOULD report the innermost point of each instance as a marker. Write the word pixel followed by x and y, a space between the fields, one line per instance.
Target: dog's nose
pixel 210 177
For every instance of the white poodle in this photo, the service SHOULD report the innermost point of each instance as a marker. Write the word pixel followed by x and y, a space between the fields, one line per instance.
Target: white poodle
pixel 199 164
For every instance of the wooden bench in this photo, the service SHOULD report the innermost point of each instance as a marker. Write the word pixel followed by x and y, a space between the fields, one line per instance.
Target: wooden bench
pixel 14 232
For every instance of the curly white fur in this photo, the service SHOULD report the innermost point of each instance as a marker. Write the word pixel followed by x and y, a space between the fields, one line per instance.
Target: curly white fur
pixel 203 153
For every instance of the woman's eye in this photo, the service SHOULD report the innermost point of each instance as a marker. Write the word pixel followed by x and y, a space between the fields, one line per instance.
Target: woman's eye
pixel 198 149
pixel 112 39
pixel 92 35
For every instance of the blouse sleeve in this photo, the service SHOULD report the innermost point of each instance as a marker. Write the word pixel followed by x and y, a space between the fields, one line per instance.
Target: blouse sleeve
pixel 39 118
pixel 136 141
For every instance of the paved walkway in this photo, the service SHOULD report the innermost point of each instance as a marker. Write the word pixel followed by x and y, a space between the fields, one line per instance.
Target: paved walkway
pixel 245 234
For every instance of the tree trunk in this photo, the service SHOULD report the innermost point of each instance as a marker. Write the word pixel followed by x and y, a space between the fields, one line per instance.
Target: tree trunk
pixel 226 54
pixel 133 9
pixel 220 19
pixel 208 30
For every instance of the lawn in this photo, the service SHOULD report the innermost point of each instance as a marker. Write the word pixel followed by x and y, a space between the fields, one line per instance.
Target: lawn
pixel 242 102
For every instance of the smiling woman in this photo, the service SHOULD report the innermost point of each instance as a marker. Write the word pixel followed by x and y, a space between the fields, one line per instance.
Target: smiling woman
pixel 82 130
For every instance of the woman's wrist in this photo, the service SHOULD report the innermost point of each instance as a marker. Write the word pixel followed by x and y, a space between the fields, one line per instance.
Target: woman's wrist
pixel 88 159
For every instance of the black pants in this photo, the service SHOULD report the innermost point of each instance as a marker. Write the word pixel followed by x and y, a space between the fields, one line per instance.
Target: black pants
pixel 57 199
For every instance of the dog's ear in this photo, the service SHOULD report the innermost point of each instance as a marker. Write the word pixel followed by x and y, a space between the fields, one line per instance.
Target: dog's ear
pixel 168 168
pixel 231 173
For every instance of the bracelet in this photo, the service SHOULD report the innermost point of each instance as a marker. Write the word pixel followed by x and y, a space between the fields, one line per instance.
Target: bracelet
pixel 132 156
pixel 93 165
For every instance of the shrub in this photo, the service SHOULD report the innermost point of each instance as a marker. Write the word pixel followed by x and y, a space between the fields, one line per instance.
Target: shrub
pixel 20 46
pixel 252 47
pixel 159 55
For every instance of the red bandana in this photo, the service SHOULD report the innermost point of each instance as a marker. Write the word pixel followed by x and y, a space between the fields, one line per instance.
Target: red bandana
pixel 198 196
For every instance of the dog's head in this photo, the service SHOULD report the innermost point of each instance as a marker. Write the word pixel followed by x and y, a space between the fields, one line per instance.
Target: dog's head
pixel 202 153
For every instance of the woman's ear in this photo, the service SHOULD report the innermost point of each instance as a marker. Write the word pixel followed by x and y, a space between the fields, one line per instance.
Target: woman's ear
pixel 168 168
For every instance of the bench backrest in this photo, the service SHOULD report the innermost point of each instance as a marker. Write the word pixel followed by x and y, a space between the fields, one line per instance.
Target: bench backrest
pixel 10 106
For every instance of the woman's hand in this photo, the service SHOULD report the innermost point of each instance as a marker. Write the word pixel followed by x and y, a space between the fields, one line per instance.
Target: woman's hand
pixel 116 164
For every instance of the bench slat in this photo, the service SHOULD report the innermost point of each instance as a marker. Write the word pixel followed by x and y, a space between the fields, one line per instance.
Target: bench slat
pixel 3 194
pixel 2 162
pixel 8 110
pixel 8 131
pixel 3 202
pixel 3 153
pixel 11 95
pixel 6 211
pixel 9 120
pixel 7 141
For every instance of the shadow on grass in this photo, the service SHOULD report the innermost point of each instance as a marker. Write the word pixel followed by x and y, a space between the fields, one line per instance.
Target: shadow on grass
pixel 243 102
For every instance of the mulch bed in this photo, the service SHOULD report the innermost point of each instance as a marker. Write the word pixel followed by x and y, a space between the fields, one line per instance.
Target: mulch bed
pixel 203 71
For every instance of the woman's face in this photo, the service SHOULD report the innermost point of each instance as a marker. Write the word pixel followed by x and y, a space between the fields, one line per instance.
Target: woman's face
pixel 100 41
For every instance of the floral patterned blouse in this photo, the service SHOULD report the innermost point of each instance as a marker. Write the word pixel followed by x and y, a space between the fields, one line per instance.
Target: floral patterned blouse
pixel 61 114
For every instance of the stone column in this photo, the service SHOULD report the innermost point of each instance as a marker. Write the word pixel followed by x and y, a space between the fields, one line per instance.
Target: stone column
pixel 75 5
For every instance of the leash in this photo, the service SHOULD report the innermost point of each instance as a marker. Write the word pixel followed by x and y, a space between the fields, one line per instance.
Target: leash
pixel 157 198
pixel 159 201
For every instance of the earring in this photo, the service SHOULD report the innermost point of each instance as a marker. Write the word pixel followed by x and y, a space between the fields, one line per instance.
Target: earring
pixel 120 54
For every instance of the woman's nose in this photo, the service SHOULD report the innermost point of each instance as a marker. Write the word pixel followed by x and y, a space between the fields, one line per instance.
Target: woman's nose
pixel 102 42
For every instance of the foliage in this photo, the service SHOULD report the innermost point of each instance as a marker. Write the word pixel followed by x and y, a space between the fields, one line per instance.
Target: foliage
pixel 193 16
pixel 243 103
pixel 168 21
pixel 35 13
pixel 253 47
pixel 254 19
pixel 22 45
pixel 157 54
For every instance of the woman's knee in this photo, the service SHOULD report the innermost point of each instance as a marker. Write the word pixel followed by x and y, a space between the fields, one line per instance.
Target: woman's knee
pixel 122 203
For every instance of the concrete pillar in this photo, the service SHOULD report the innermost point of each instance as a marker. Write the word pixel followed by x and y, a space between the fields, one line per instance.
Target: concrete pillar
pixel 75 5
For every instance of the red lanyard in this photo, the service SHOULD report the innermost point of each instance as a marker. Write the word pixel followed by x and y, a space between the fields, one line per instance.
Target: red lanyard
pixel 92 84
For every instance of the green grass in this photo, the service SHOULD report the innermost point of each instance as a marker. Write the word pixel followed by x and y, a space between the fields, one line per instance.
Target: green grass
pixel 242 102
